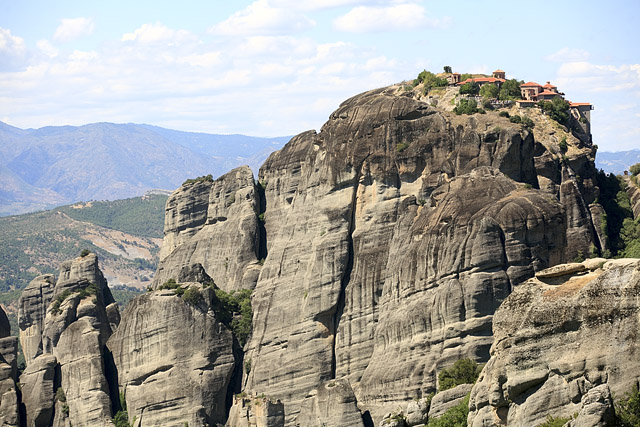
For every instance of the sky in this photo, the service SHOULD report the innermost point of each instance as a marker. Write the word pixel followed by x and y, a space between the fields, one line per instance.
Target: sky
pixel 280 67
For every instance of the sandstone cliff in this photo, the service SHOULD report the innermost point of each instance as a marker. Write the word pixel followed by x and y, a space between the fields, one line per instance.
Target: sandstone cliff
pixel 174 358
pixel 392 237
pixel 67 359
pixel 563 342
pixel 9 404
pixel 215 224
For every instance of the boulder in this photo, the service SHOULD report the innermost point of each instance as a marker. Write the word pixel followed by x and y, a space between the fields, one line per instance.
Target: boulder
pixel 447 399
pixel 596 409
pixel 561 270
pixel 333 404
pixel 553 344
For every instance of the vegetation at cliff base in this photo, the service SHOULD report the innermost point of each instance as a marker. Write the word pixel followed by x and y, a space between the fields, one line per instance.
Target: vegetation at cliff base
pixel 464 371
pixel 235 312
pixel 429 80
pixel 466 106
pixel 453 417
pixel 552 421
pixel 628 408
pixel 618 224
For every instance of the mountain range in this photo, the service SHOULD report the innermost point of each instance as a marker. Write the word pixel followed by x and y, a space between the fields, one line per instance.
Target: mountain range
pixel 617 162
pixel 50 166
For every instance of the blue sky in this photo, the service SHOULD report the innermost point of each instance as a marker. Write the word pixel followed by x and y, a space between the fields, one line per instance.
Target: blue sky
pixel 279 67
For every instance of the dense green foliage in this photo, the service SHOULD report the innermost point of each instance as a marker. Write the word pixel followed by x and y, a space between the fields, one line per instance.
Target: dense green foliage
pixel 205 178
pixel 429 80
pixel 121 418
pixel 510 90
pixel 557 109
pixel 635 169
pixel 628 408
pixel 464 371
pixel 466 106
pixel 141 216
pixel 554 422
pixel 447 69
pixel 193 296
pixel 489 91
pixel 615 201
pixel 454 417
pixel 234 310
pixel 470 88
pixel 563 144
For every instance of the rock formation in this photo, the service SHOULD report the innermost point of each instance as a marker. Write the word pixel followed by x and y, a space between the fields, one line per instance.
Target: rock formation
pixel 9 412
pixel 175 360
pixel 393 235
pixel 215 224
pixel 32 308
pixel 67 360
pixel 561 343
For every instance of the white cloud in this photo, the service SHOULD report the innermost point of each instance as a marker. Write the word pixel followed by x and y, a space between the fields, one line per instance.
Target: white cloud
pixel 47 48
pixel 568 55
pixel 73 28
pixel 12 50
pixel 261 18
pixel 398 17
pixel 157 33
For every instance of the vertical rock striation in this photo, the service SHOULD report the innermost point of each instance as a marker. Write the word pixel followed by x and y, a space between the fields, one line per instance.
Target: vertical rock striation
pixel 69 355
pixel 175 360
pixel 9 412
pixel 214 224
pixel 561 343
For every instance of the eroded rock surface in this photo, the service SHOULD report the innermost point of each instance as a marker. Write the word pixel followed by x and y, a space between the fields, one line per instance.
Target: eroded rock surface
pixel 560 346
pixel 32 308
pixel 332 404
pixel 392 237
pixel 74 331
pixel 255 411
pixel 9 413
pixel 174 359
pixel 217 225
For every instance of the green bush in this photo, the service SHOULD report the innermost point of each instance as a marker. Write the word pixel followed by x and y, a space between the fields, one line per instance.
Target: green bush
pixel 454 417
pixel 205 178
pixel 515 119
pixel 464 371
pixel 84 253
pixel 628 408
pixel 466 106
pixel 510 90
pixel 169 284
pixel 429 80
pixel 489 91
pixel 193 296
pixel 554 422
pixel 635 169
pixel 121 418
pixel 563 144
pixel 527 122
pixel 557 109
pixel 234 310
pixel 55 305
pixel 504 114
pixel 470 88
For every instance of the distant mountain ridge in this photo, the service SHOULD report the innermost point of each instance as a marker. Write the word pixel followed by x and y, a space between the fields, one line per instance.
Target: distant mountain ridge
pixel 50 166
pixel 617 162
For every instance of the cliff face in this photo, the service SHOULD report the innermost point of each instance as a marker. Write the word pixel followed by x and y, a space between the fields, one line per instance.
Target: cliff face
pixel 214 224
pixel 175 360
pixel 68 354
pixel 9 404
pixel 393 235
pixel 562 345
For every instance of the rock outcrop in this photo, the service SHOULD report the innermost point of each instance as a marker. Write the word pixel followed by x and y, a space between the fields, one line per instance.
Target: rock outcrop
pixel 32 309
pixel 215 224
pixel 9 410
pixel 70 353
pixel 174 358
pixel 332 404
pixel 392 237
pixel 561 343
pixel 255 411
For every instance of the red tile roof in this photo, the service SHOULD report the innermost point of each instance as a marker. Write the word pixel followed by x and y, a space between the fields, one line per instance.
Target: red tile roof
pixel 549 85
pixel 531 84
pixel 548 92
pixel 499 71
pixel 579 104
pixel 482 80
